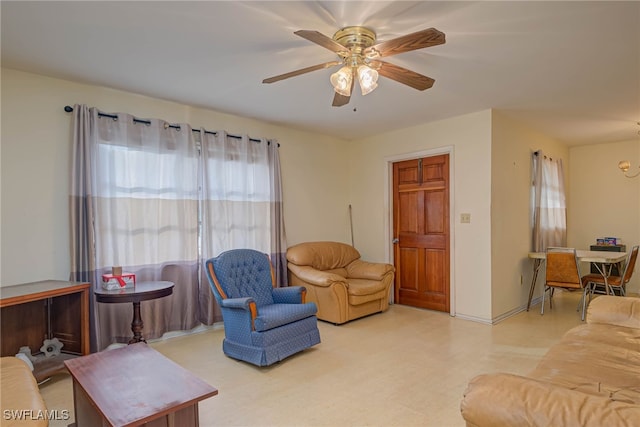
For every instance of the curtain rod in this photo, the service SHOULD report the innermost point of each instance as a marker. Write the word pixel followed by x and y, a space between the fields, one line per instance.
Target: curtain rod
pixel 537 153
pixel 69 109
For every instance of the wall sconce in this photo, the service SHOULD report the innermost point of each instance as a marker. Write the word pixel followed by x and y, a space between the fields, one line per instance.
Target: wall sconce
pixel 625 165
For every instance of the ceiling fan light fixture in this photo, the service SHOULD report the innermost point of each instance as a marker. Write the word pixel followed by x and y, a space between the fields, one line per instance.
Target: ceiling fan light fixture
pixel 358 51
pixel 368 78
pixel 341 81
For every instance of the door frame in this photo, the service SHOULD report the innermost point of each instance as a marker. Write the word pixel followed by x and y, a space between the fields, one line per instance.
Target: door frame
pixel 388 218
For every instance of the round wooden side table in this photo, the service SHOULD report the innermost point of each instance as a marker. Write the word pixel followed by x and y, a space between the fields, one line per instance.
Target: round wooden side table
pixel 142 291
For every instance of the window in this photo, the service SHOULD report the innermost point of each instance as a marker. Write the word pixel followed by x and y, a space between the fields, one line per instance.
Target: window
pixel 548 204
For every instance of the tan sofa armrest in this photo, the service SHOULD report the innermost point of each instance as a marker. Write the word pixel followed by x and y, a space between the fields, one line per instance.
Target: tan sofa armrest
pixel 359 269
pixel 612 310
pixel 506 400
pixel 316 277
pixel 20 393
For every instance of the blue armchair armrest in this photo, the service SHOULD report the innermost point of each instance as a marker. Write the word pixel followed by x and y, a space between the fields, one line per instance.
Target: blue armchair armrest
pixel 243 303
pixel 289 295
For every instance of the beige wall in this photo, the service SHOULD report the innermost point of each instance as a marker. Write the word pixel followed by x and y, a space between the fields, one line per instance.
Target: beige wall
pixel 468 138
pixel 322 176
pixel 513 144
pixel 603 202
pixel 36 150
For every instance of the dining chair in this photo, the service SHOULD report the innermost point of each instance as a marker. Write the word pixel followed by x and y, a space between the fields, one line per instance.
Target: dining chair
pixel 562 271
pixel 594 283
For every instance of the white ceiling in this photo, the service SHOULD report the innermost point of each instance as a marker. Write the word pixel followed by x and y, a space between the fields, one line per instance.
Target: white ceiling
pixel 571 69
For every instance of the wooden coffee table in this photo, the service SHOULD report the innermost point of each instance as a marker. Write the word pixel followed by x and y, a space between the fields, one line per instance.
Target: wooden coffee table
pixel 135 386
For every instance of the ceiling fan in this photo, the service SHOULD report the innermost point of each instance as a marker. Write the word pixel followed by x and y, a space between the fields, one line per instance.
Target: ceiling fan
pixel 359 54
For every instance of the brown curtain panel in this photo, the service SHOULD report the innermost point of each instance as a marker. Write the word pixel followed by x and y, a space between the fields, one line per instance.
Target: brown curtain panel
pixel 278 235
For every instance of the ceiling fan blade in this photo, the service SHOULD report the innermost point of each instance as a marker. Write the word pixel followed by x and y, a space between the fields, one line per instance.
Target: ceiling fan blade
pixel 340 100
pixel 413 41
pixel 301 71
pixel 322 40
pixel 402 75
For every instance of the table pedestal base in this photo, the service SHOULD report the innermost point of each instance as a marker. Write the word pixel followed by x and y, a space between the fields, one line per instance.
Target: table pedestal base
pixel 143 291
pixel 136 325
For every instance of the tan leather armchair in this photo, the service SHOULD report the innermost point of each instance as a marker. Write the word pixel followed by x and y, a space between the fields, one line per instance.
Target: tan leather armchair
pixel 342 285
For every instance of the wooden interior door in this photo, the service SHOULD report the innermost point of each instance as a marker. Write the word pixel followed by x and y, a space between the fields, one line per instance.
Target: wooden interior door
pixel 421 232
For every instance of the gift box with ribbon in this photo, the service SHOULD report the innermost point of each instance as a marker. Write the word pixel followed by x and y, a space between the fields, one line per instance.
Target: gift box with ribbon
pixel 122 281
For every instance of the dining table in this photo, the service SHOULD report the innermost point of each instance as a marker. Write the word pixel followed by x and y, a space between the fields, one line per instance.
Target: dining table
pixel 602 260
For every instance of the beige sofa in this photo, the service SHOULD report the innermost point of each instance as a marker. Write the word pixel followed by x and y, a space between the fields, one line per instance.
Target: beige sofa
pixel 590 378
pixel 342 285
pixel 21 402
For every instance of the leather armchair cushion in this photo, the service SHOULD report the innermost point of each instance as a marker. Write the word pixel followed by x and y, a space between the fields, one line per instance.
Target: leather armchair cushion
pixel 364 290
pixel 360 287
pixel 342 272
pixel 359 269
pixel 322 256
pixel 316 277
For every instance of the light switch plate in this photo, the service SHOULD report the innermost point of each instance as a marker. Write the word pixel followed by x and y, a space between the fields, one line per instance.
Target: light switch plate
pixel 465 218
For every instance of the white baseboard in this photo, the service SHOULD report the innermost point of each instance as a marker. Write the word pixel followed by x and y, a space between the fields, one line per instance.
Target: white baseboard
pixel 503 316
pixel 173 334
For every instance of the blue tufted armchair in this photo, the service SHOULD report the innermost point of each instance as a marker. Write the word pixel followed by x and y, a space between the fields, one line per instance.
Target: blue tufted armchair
pixel 263 324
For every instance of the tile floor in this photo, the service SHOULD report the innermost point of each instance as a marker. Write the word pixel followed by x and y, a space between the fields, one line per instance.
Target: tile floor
pixel 404 367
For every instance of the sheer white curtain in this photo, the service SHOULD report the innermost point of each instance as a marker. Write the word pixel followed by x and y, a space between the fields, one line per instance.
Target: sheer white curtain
pixel 548 203
pixel 235 194
pixel 241 197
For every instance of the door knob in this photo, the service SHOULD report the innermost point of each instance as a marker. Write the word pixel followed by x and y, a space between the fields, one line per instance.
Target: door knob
pixel 395 241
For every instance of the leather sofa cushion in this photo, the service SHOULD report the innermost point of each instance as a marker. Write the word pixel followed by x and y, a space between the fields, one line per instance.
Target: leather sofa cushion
pixel 597 359
pixel 590 378
pixel 507 400
pixel 20 393
pixel 615 311
pixel 323 255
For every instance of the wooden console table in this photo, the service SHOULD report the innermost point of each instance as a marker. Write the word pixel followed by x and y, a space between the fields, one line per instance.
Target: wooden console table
pixel 33 312
pixel 135 386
